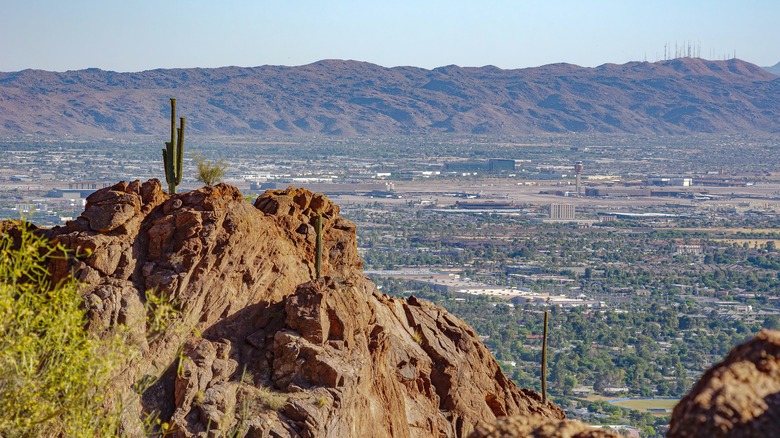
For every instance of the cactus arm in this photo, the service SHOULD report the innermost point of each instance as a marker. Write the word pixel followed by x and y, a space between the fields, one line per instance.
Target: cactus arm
pixel 180 153
pixel 165 160
pixel 318 247
pixel 173 121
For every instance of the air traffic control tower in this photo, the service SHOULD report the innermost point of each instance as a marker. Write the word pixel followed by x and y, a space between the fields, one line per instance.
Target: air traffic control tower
pixel 578 175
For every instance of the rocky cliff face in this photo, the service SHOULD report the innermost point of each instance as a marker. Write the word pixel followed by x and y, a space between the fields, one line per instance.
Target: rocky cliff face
pixel 260 345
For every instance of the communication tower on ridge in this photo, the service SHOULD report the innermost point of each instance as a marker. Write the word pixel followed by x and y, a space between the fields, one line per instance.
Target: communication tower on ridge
pixel 578 174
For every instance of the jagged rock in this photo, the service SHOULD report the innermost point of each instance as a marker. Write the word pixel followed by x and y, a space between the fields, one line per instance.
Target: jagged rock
pixel 538 427
pixel 204 395
pixel 363 348
pixel 296 210
pixel 261 347
pixel 739 397
pixel 107 210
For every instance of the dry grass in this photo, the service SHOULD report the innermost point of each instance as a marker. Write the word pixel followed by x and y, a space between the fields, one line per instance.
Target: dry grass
pixel 644 405
pixel 753 243
pixel 417 336
pixel 261 398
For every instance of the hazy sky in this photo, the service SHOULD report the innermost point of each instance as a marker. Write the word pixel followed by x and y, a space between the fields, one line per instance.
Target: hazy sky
pixel 135 35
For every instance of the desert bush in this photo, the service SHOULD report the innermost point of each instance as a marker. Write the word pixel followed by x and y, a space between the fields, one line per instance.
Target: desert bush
pixel 160 313
pixel 257 399
pixel 210 172
pixel 53 371
pixel 417 336
pixel 270 399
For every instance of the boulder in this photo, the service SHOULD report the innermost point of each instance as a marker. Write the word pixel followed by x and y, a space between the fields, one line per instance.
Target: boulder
pixel 739 397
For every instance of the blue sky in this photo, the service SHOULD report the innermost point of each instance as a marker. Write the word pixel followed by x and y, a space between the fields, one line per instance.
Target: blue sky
pixel 135 35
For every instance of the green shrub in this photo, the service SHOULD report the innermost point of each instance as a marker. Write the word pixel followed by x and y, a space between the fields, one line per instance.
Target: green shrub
pixel 53 372
pixel 160 313
pixel 210 172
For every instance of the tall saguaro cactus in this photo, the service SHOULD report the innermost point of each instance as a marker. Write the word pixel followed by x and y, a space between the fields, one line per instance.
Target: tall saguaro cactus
pixel 318 247
pixel 173 154
pixel 544 359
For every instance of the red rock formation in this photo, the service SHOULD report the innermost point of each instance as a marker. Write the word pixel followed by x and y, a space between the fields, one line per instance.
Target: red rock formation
pixel 739 397
pixel 261 347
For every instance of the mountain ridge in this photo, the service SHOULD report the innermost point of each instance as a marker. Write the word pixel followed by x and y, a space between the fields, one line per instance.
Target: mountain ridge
pixel 774 69
pixel 335 97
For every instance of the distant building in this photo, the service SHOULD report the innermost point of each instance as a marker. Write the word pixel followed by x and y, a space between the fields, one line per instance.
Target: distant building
pixel 693 249
pixel 70 193
pixel 616 192
pixel 524 269
pixel 84 185
pixel 673 192
pixel 467 166
pixel 582 391
pixel 28 208
pixel 485 205
pixel 561 211
pixel 669 181
pixel 491 165
pixel 615 389
pixel 499 165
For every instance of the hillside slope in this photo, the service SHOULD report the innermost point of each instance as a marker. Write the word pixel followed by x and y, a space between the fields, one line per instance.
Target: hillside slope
pixel 775 69
pixel 680 96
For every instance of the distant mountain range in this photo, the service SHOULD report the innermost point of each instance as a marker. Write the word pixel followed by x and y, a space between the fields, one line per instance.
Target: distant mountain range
pixel 680 96
pixel 775 69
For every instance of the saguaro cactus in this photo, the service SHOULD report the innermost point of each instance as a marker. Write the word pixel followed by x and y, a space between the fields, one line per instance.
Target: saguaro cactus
pixel 544 359
pixel 173 154
pixel 318 247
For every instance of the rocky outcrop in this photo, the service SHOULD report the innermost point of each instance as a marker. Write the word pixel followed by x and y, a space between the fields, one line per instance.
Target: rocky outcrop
pixel 739 397
pixel 260 347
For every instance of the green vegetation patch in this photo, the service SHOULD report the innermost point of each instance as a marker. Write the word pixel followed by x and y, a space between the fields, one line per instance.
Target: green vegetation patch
pixel 53 372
